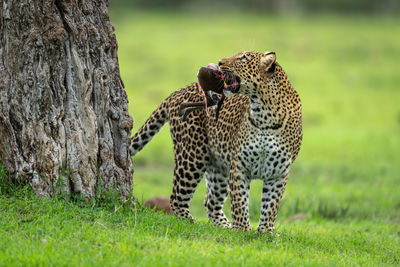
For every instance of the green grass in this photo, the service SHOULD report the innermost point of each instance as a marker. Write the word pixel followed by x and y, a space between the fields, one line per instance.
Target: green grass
pixel 346 178
pixel 37 231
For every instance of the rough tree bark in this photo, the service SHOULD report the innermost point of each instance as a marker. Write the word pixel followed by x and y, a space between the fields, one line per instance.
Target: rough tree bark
pixel 64 121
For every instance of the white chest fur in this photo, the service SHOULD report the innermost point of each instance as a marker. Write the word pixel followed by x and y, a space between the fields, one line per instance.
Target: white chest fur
pixel 265 157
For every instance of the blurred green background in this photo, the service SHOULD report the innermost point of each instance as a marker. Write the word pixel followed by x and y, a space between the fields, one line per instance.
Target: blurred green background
pixel 341 56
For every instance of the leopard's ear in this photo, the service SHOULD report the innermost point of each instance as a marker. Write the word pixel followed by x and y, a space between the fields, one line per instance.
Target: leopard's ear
pixel 268 60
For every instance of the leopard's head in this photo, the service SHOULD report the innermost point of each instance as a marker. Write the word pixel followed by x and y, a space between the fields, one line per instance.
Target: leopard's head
pixel 246 71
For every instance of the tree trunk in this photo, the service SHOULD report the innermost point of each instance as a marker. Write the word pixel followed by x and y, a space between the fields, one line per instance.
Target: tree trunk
pixel 64 121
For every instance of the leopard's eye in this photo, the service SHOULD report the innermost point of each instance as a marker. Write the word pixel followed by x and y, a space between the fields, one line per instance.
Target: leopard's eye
pixel 242 58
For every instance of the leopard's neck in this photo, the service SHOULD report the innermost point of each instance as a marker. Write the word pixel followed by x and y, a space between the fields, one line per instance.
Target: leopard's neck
pixel 267 109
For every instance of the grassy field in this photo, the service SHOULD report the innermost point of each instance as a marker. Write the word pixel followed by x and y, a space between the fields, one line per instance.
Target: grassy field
pixel 51 232
pixel 346 178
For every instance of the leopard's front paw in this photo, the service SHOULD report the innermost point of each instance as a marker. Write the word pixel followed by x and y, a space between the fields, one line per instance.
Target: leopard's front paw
pixel 243 228
pixel 227 225
pixel 263 229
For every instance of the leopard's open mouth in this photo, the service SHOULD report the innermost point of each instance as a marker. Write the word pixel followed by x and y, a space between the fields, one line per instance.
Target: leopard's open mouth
pixel 223 78
pixel 231 82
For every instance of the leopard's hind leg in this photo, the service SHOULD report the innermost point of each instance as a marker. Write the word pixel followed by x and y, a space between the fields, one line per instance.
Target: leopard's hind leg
pixel 217 192
pixel 191 157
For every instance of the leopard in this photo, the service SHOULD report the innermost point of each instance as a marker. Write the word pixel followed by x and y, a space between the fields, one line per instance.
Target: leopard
pixel 258 136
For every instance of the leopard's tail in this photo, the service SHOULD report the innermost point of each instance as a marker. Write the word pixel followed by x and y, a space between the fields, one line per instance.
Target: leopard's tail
pixel 149 129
